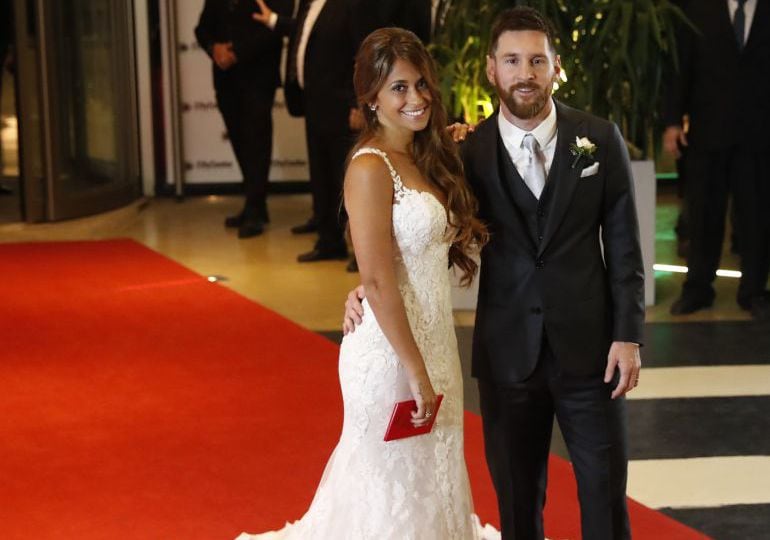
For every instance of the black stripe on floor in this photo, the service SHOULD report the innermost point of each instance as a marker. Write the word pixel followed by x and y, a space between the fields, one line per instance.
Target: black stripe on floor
pixel 698 427
pixel 738 522
pixel 706 344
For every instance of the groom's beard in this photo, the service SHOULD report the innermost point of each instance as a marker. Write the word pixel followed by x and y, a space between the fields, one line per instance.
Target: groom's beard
pixel 525 111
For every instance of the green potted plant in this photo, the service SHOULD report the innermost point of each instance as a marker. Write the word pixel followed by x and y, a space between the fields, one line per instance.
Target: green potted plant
pixel 614 54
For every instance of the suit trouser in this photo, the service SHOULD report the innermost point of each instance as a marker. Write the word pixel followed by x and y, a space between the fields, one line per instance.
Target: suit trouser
pixel 518 421
pixel 248 116
pixel 327 153
pixel 711 177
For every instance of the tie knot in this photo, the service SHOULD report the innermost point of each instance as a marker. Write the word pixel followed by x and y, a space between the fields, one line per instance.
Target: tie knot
pixel 530 143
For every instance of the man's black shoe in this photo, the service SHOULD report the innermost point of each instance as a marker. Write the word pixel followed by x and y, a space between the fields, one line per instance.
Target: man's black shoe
pixel 323 255
pixel 759 306
pixel 250 228
pixel 234 221
pixel 310 227
pixel 262 213
pixel 690 304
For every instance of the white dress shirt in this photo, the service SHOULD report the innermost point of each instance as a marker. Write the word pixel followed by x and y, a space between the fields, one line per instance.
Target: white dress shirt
pixel 544 133
pixel 748 9
pixel 312 16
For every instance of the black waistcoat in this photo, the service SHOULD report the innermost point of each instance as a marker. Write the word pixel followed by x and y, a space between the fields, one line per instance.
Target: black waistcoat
pixel 532 210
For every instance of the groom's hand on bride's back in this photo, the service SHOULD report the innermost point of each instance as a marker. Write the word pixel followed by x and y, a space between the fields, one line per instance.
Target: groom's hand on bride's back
pixel 459 131
pixel 354 310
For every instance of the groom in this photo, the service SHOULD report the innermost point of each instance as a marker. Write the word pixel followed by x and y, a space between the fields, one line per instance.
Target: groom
pixel 560 307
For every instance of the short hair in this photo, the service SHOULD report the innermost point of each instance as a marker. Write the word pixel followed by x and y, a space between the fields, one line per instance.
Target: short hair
pixel 520 18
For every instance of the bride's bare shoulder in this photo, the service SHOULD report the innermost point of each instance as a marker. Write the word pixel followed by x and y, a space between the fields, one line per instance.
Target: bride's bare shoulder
pixel 368 168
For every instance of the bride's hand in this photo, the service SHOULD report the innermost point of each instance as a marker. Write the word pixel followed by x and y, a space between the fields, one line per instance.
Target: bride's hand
pixel 423 394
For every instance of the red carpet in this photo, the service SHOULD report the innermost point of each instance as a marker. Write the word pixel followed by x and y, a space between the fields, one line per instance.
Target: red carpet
pixel 140 401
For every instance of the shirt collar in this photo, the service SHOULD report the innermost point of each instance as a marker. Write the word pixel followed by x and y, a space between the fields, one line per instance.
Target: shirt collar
pixel 543 133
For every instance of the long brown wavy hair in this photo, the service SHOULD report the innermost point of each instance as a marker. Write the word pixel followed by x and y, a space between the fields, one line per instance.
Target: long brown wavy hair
pixel 434 152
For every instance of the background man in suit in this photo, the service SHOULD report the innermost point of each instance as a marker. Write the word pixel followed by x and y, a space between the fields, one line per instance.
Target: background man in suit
pixel 558 322
pixel 246 64
pixel 419 16
pixel 324 39
pixel 719 87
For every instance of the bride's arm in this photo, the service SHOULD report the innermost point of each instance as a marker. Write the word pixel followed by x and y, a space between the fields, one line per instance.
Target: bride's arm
pixel 369 203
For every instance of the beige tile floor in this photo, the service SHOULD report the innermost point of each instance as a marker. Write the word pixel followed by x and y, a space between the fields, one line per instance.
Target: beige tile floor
pixel 264 268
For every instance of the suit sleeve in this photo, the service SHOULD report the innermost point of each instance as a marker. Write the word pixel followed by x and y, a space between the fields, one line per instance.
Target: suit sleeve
pixel 252 44
pixel 622 249
pixel 204 32
pixel 286 24
pixel 678 79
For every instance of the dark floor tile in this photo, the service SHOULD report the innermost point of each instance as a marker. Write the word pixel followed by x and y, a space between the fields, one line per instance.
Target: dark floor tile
pixel 699 427
pixel 334 336
pixel 706 344
pixel 740 522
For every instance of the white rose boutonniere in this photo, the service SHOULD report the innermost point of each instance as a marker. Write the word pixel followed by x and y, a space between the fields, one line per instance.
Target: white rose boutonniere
pixel 582 148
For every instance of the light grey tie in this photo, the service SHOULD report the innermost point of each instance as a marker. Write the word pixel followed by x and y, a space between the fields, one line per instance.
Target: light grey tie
pixel 534 174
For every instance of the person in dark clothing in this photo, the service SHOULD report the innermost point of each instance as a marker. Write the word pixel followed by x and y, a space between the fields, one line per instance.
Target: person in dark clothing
pixel 423 17
pixel 246 64
pixel 719 88
pixel 324 39
pixel 6 55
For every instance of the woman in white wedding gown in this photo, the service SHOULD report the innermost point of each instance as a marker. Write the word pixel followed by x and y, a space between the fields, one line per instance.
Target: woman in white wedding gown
pixel 411 217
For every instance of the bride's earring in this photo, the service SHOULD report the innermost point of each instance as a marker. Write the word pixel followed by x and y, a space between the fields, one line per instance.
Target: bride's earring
pixel 373 108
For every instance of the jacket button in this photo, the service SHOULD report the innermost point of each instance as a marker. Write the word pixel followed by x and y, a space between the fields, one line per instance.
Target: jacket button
pixel 540 212
pixel 539 263
pixel 536 310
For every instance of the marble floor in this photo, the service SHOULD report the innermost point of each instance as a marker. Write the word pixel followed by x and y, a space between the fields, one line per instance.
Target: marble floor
pixel 699 422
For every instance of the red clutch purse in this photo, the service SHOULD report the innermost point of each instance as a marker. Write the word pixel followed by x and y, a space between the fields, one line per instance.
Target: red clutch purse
pixel 400 425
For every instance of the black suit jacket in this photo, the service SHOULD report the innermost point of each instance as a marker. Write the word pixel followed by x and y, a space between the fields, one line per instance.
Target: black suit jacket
pixel 561 285
pixel 723 89
pixel 328 94
pixel 414 15
pixel 257 48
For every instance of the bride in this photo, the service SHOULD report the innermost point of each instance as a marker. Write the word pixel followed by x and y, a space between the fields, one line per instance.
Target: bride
pixel 411 218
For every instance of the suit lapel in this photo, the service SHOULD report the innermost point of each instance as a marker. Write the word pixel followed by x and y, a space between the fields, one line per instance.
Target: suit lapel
pixel 562 176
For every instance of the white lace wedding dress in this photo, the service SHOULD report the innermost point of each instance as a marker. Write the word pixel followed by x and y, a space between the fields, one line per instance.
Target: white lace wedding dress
pixel 409 489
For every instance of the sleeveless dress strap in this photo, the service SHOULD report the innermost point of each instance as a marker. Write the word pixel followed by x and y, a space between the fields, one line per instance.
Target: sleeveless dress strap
pixel 398 186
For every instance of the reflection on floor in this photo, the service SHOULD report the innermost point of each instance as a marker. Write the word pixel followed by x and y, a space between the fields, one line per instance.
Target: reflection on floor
pixel 699 429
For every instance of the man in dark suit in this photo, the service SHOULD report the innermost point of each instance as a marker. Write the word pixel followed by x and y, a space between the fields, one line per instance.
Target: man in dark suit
pixel 246 64
pixel 720 88
pixel 561 309
pixel 324 39
pixel 561 305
